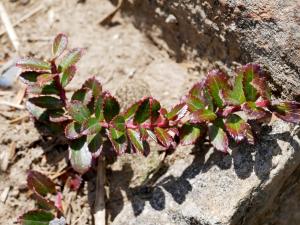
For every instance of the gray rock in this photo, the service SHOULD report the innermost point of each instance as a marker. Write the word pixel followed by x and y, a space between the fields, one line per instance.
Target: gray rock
pixel 208 187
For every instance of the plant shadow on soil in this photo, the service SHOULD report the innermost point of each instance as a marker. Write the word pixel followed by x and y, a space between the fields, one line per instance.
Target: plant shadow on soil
pixel 245 160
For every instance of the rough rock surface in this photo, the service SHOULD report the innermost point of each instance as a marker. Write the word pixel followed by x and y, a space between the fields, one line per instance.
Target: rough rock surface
pixel 225 31
pixel 253 185
pixel 205 187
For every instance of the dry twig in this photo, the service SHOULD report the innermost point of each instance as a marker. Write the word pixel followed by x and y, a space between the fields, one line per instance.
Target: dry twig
pixel 9 27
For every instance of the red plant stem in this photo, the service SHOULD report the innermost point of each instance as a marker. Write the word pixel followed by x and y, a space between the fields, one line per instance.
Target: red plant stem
pixel 144 125
pixel 262 103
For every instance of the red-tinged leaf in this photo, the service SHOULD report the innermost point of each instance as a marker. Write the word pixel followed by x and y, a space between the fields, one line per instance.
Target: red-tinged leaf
pixel 91 126
pixel 111 108
pixel 31 64
pixel 177 112
pixel 249 72
pixel 67 75
pixel 71 58
pixel 152 135
pixel 237 127
pixel 215 82
pixel 194 103
pixel 29 77
pixel 173 132
pixel 130 111
pixel 37 217
pixel 34 110
pixel 154 110
pixel 163 136
pixel 95 144
pixel 43 202
pixel 287 111
pixel 58 200
pixel 48 102
pixel 144 133
pixel 203 115
pixel 73 130
pixel 260 84
pixel 75 182
pixel 83 95
pixel 252 111
pixel 197 90
pixel 80 156
pixel 191 133
pixel 59 45
pixel 58 119
pixel 40 183
pixel 94 85
pixel 235 96
pixel 118 140
pixel 136 140
pixel 44 79
pixel 143 112
pixel 48 89
pixel 78 111
pixel 218 137
pixel 118 123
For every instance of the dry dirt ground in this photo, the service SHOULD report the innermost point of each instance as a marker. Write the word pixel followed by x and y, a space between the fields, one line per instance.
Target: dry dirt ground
pixel 123 59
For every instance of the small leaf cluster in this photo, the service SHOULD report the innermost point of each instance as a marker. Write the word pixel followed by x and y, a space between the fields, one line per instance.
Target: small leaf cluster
pixel 48 211
pixel 216 109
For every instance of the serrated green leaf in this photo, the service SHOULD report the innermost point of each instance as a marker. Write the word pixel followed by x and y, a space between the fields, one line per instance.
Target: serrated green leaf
pixel 72 57
pixel 40 183
pixel 250 71
pixel 218 137
pixel 99 108
pixel 235 96
pixel 217 81
pixel 287 111
pixel 177 112
pixel 68 75
pixel 136 140
pixel 194 103
pixel 78 111
pixel 260 84
pixel 91 126
pixel 73 130
pixel 83 95
pixel 34 65
pixel 129 113
pixel 34 110
pixel 59 45
pixel 80 156
pixel 252 111
pixel 143 112
pixel 154 111
pixel 203 115
pixel 44 79
pixel 94 85
pixel 48 102
pixel 118 140
pixel 237 127
pixel 29 77
pixel 190 133
pixel 118 123
pixel 163 136
pixel 111 108
pixel 37 217
pixel 94 142
pixel 43 202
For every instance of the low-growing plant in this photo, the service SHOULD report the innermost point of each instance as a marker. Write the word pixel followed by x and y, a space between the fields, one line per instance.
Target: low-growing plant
pixel 216 109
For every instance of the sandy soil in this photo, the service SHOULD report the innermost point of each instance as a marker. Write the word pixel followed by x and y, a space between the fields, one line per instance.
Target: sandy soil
pixel 123 59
